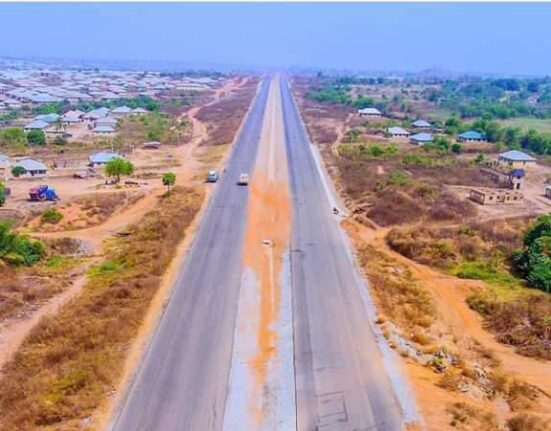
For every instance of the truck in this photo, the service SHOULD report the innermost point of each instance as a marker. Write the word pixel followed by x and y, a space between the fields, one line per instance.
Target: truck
pixel 212 176
pixel 43 193
pixel 243 179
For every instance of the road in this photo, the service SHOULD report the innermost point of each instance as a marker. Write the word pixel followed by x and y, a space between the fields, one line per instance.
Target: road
pixel 182 381
pixel 339 382
pixel 340 378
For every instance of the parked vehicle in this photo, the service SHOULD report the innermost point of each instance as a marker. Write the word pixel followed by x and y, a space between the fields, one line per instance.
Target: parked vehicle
pixel 212 176
pixel 43 193
pixel 243 179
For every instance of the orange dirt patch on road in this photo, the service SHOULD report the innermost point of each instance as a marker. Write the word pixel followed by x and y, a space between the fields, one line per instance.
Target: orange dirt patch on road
pixel 267 238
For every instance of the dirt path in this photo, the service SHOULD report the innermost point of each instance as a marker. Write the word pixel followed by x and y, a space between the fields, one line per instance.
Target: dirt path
pixel 13 331
pixel 450 294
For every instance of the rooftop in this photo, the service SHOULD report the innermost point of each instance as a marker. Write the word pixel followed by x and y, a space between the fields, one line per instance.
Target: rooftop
pixel 517 156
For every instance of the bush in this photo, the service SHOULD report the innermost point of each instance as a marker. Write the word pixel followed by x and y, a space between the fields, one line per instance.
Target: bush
pixel 36 137
pixel 17 171
pixel 534 260
pixel 17 249
pixel 2 194
pixel 52 216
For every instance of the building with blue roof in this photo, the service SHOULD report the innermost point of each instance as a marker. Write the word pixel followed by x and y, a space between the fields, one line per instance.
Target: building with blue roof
pixel 516 159
pixel 36 125
pixel 102 158
pixel 421 138
pixel 32 167
pixel 472 136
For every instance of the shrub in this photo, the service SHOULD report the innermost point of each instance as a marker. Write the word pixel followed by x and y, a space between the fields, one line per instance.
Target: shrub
pixel 534 260
pixel 36 137
pixel 17 249
pixel 52 216
pixel 17 171
pixel 2 194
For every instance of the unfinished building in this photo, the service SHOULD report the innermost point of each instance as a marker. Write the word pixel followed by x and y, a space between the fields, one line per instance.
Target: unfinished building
pixel 511 179
pixel 485 196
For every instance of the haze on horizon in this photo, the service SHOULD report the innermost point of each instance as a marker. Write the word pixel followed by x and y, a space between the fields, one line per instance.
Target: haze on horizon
pixel 505 38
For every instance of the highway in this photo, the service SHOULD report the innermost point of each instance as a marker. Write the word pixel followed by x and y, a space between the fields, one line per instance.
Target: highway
pixel 182 381
pixel 340 382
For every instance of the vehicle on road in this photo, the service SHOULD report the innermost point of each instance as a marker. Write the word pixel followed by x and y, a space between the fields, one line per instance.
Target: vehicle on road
pixel 243 180
pixel 43 193
pixel 212 176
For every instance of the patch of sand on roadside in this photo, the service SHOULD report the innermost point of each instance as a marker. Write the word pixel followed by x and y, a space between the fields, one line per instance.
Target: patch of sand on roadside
pixel 450 294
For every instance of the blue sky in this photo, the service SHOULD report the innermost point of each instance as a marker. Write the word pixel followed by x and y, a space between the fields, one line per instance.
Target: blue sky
pixel 476 37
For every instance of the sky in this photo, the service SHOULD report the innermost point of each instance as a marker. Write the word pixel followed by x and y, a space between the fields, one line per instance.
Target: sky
pixel 506 38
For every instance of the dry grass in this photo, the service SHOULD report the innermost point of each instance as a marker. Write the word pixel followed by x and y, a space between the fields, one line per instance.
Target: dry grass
pixel 70 361
pixel 468 417
pixel 25 288
pixel 224 117
pixel 399 296
pixel 528 422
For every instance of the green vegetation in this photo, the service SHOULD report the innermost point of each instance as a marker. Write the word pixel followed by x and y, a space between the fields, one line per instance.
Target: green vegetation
pixel 17 171
pixel 367 152
pixel 534 260
pixel 487 271
pixel 398 178
pixel 337 93
pixel 36 137
pixel 12 137
pixel 18 249
pixel 51 216
pixel 2 194
pixel 169 179
pixel 145 102
pixel 116 168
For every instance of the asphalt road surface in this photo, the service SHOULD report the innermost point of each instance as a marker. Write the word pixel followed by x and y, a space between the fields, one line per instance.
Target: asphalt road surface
pixel 341 384
pixel 340 379
pixel 182 381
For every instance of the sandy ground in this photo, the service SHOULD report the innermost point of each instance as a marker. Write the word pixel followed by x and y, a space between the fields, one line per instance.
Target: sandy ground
pixel 450 294
pixel 261 392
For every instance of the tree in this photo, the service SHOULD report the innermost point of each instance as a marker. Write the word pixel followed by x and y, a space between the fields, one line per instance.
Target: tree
pixel 2 194
pixel 353 135
pixel 13 137
pixel 17 171
pixel 36 137
pixel 457 148
pixel 168 180
pixel 534 260
pixel 18 249
pixel 116 168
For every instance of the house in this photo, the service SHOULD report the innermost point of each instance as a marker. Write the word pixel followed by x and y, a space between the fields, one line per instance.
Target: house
pixel 102 158
pixel 71 117
pixel 485 196
pixel 516 159
pixel 397 132
pixel 106 122
pixel 471 136
pixel 103 130
pixel 36 125
pixel 153 145
pixel 421 138
pixel 369 112
pixel 97 113
pixel 47 118
pixel 121 111
pixel 32 167
pixel 421 124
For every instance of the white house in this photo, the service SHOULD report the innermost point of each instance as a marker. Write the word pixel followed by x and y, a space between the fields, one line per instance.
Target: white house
pixel 397 132
pixel 33 168
pixel 369 112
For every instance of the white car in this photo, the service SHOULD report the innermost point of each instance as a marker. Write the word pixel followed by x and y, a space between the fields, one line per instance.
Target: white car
pixel 243 179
